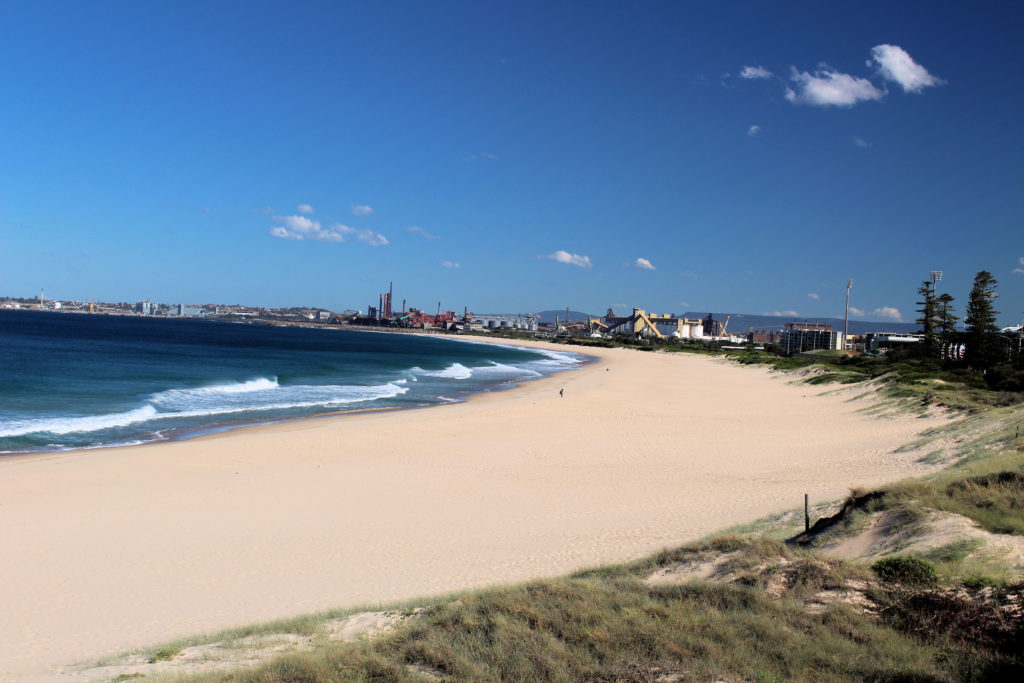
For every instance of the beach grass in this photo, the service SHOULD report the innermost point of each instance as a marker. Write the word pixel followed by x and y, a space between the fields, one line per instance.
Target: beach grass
pixel 609 624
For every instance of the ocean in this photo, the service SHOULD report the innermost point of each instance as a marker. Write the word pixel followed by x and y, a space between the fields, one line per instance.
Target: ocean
pixel 71 381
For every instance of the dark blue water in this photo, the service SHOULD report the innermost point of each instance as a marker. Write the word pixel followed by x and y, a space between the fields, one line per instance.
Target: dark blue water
pixel 82 381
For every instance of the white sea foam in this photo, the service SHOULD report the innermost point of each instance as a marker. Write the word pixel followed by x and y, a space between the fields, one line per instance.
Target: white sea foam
pixel 72 425
pixel 453 371
pixel 253 385
pixel 503 370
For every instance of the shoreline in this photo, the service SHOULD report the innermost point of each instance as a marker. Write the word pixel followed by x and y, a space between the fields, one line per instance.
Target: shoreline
pixel 139 545
pixel 178 434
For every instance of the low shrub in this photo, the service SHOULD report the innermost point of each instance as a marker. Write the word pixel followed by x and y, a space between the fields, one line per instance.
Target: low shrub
pixel 909 570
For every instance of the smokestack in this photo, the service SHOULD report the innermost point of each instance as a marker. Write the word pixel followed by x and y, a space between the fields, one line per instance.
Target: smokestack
pixel 439 309
pixel 403 306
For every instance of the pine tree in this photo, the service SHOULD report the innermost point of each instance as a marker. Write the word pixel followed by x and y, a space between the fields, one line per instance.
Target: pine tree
pixel 927 321
pixel 947 323
pixel 983 348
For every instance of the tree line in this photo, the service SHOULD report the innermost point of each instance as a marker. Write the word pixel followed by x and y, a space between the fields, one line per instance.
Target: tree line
pixel 980 345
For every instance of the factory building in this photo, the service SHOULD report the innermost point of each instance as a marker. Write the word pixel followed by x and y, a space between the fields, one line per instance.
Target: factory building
pixel 875 341
pixel 507 322
pixel 644 324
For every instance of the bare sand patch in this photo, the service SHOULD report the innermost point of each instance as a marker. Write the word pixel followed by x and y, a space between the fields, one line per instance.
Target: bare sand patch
pixel 120 548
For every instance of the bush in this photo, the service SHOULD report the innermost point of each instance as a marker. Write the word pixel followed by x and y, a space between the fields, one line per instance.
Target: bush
pixel 901 569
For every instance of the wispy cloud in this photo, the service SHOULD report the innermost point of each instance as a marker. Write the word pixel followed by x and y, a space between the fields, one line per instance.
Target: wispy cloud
pixel 856 311
pixel 305 208
pixel 483 155
pixel 266 210
pixel 828 88
pixel 644 264
pixel 303 228
pixel 755 72
pixel 1019 270
pixel 861 142
pixel 690 274
pixel 783 314
pixel 572 259
pixel 451 264
pixel 417 230
pixel 894 64
pixel 814 296
pixel 753 130
pixel 362 210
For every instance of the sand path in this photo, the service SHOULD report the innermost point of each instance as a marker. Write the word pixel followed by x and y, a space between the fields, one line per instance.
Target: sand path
pixel 119 548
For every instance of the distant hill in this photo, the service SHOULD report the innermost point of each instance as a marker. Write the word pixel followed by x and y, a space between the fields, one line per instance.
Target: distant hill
pixel 549 316
pixel 742 322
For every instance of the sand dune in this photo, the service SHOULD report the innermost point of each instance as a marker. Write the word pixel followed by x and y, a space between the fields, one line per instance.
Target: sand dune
pixel 119 548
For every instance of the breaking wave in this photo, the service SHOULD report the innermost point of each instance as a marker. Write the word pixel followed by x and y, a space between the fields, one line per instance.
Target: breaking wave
pixel 209 402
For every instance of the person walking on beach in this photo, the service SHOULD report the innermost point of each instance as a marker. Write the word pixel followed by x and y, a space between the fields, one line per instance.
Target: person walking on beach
pixel 561 392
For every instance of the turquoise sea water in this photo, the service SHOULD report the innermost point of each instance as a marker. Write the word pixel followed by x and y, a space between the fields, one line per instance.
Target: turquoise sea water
pixel 83 381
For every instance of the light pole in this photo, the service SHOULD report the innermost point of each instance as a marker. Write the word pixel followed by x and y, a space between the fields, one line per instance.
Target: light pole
pixel 846 325
pixel 934 276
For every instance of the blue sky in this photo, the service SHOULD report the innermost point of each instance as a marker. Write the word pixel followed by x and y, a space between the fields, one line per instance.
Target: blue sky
pixel 513 157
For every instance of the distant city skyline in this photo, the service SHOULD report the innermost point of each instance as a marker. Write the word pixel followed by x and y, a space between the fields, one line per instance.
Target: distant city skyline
pixel 677 157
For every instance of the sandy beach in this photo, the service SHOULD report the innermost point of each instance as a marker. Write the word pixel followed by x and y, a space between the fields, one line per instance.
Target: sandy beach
pixel 111 549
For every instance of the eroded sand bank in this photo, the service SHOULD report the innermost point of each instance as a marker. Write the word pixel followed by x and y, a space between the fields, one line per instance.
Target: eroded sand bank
pixel 112 549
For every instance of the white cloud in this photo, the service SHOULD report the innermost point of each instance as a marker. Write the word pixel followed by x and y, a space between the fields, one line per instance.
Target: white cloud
pixel 887 312
pixel 450 264
pixel 282 232
pixel 305 208
pixel 1019 271
pixel 366 236
pixel 483 155
pixel 856 311
pixel 572 259
pixel 894 64
pixel 417 230
pixel 362 210
pixel 783 314
pixel 302 228
pixel 753 72
pixel 827 88
pixel 753 130
pixel 644 263
pixel 861 142
pixel 814 296
pixel 266 210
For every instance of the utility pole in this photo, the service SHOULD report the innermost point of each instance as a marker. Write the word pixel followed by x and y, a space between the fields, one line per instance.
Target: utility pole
pixel 846 325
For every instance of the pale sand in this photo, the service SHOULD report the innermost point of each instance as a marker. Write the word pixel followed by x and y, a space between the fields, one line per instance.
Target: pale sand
pixel 112 549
